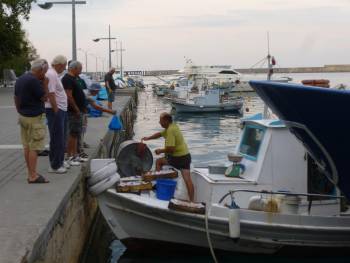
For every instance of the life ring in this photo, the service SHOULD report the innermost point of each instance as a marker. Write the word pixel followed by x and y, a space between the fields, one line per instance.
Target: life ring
pixel 103 185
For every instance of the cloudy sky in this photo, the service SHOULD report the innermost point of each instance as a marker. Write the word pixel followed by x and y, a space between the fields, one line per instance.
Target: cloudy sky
pixel 158 34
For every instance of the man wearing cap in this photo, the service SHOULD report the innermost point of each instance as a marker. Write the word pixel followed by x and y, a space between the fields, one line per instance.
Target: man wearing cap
pixel 110 87
pixel 56 114
pixel 94 88
pixel 29 97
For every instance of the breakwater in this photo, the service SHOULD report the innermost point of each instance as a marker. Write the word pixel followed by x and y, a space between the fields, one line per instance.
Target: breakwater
pixel 325 68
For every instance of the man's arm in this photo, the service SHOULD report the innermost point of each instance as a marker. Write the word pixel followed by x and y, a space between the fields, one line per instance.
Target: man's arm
pixel 71 102
pixel 51 87
pixel 16 99
pixel 152 137
pixel 167 149
pixel 98 107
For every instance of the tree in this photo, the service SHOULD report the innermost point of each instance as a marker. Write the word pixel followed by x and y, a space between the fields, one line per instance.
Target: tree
pixel 16 51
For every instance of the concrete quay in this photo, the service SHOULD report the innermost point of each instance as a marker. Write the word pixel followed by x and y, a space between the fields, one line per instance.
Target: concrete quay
pixel 49 222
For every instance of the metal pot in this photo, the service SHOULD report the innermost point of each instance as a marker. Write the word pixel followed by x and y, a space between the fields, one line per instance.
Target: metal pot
pixel 130 161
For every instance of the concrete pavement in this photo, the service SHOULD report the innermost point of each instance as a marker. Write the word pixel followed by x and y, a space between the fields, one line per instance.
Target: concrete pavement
pixel 28 212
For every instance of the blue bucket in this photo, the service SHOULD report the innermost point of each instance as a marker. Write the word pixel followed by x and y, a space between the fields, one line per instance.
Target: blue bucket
pixel 165 189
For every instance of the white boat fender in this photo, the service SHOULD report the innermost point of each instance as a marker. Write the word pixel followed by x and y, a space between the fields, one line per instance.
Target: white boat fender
pixel 103 173
pixel 105 184
pixel 257 203
pixel 234 220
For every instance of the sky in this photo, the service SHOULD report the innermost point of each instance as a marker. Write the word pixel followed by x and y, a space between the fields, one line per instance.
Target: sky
pixel 160 34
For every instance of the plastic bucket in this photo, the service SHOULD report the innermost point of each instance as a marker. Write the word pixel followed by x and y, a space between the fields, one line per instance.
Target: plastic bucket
pixel 165 189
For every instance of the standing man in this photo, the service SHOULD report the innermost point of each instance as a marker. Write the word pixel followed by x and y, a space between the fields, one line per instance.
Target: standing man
pixel 176 150
pixel 30 94
pixel 76 109
pixel 110 87
pixel 56 114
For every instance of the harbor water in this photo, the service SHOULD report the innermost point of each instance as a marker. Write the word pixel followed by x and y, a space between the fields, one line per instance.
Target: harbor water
pixel 210 138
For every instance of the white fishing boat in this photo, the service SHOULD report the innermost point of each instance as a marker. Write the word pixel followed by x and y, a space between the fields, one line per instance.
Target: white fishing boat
pixel 211 101
pixel 272 197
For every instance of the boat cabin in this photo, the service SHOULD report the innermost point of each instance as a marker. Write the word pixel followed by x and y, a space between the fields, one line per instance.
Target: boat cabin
pixel 273 160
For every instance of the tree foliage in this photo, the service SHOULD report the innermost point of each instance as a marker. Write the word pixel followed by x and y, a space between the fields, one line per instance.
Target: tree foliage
pixel 16 51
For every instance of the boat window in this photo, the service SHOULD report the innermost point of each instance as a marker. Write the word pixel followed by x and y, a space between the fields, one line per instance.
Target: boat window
pixel 251 141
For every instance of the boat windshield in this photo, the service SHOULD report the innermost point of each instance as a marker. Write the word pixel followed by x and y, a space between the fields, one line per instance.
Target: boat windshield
pixel 251 141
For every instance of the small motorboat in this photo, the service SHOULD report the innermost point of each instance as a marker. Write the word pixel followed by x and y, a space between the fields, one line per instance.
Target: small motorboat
pixel 211 101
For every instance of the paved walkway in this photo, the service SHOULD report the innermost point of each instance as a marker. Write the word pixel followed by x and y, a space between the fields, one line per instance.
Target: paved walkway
pixel 26 209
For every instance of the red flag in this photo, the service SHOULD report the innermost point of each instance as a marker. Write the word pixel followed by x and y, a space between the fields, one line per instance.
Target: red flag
pixel 273 61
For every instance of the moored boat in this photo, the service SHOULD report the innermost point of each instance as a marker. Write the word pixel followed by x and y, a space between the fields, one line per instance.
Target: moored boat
pixel 211 101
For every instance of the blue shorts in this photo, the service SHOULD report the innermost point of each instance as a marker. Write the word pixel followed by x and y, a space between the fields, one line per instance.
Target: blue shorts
pixel 111 96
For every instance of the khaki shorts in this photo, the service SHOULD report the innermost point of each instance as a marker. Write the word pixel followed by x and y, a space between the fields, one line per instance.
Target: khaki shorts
pixel 33 131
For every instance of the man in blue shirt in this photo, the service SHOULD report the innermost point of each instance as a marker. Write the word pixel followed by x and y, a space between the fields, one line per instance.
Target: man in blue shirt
pixel 30 94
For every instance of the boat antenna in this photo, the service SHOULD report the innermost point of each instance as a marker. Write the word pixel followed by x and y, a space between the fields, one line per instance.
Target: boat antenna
pixel 270 70
pixel 269 57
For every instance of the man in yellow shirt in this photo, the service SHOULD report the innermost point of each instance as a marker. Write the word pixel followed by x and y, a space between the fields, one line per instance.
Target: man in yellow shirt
pixel 175 150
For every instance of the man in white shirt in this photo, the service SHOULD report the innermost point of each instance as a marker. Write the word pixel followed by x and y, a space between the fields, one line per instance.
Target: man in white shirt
pixel 56 113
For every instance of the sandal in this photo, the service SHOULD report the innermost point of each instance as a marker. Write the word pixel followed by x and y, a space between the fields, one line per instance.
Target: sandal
pixel 39 180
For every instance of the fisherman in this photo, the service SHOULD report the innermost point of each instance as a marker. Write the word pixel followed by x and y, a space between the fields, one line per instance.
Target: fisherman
pixel 93 104
pixel 175 150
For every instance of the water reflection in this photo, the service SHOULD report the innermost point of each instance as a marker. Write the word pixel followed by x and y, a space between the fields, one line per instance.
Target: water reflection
pixel 210 136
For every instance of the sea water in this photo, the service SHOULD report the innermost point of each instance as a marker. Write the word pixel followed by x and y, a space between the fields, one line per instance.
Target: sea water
pixel 210 138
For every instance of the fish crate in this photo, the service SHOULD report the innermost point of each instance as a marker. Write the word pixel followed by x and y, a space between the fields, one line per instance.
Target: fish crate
pixel 163 174
pixel 133 186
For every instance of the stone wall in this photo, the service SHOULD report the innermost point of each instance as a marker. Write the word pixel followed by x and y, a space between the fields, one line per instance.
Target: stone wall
pixel 70 230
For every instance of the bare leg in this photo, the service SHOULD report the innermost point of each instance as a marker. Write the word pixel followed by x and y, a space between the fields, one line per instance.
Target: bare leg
pixel 32 161
pixel 26 157
pixel 160 162
pixel 72 146
pixel 186 175
pixel 109 105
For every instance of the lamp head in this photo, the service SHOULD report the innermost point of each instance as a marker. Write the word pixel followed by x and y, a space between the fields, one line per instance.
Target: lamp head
pixel 96 40
pixel 45 5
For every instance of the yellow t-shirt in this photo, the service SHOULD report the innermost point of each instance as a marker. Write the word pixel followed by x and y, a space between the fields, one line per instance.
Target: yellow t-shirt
pixel 173 137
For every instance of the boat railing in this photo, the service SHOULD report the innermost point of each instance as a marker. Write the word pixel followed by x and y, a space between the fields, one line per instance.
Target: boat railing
pixel 267 192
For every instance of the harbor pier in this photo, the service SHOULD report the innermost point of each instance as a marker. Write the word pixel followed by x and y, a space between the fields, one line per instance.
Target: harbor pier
pixel 50 222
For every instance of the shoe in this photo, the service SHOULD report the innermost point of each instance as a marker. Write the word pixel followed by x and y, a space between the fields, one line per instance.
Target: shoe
pixel 60 170
pixel 73 161
pixel 66 165
pixel 83 157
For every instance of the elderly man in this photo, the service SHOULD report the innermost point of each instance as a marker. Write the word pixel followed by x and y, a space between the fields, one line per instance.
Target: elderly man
pixel 30 94
pixel 175 149
pixel 110 87
pixel 76 109
pixel 56 114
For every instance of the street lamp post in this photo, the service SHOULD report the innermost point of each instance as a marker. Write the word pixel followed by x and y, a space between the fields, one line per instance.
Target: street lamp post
pixel 121 58
pixel 109 38
pixel 95 64
pixel 48 5
pixel 86 60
